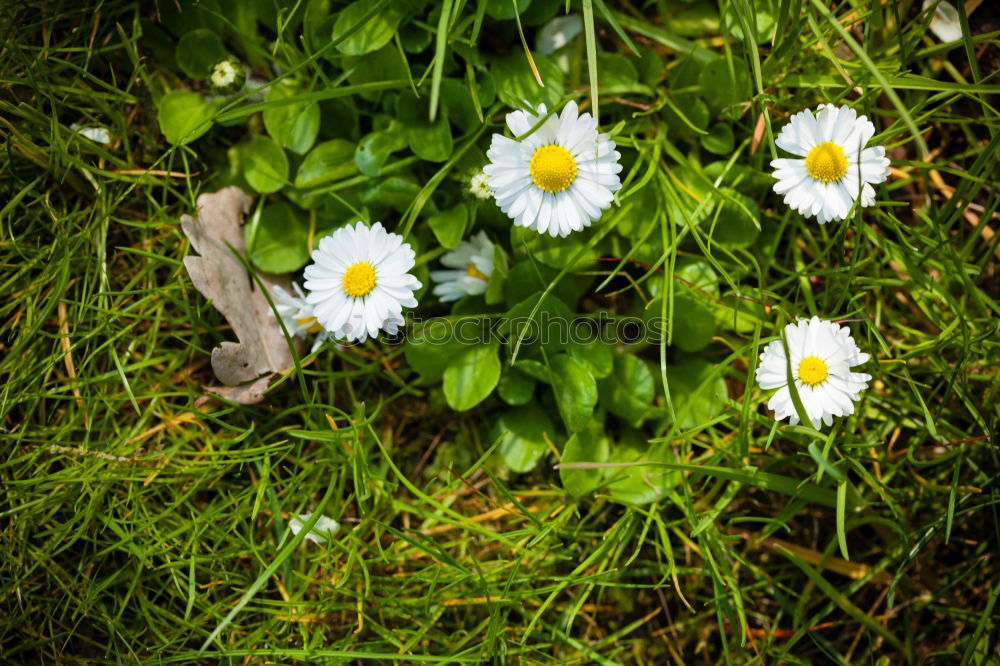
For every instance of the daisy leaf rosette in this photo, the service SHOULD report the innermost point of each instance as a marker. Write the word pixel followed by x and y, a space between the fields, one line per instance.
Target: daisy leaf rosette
pixel 470 266
pixel 832 168
pixel 558 179
pixel 359 282
pixel 821 355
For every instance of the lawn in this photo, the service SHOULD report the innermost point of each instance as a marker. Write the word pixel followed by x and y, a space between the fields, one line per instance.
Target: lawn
pixel 322 341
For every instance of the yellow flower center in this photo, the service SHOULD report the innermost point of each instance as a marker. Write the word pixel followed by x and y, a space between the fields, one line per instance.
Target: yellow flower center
pixel 813 371
pixel 472 271
pixel 552 168
pixel 311 324
pixel 359 279
pixel 826 162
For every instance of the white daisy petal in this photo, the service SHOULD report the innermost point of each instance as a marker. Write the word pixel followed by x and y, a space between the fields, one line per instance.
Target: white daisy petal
pixel 298 314
pixel 560 178
pixel 825 180
pixel 473 260
pixel 359 282
pixel 822 353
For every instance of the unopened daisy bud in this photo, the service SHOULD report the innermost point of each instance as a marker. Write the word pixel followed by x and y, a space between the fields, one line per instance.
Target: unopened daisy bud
pixel 227 76
pixel 479 185
pixel 832 168
pixel 822 355
pixel 471 263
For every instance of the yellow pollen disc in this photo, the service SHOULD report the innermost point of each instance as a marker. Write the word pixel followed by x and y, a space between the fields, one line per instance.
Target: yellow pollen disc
pixel 472 271
pixel 552 168
pixel 312 326
pixel 813 371
pixel 359 279
pixel 826 162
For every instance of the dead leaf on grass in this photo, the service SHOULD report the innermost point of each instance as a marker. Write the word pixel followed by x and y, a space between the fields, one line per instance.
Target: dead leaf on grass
pixel 246 367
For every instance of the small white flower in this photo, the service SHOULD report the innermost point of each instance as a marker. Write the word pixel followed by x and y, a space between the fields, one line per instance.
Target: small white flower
pixel 95 134
pixel 479 185
pixel 834 166
pixel 822 355
pixel 325 528
pixel 297 315
pixel 559 178
pixel 473 261
pixel 557 33
pixel 227 76
pixel 358 282
pixel 945 24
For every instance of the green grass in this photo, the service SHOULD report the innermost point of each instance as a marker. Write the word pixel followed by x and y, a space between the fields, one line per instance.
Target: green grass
pixel 144 525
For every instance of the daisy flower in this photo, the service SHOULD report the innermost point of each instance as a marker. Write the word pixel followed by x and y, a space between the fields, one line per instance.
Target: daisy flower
pixel 559 178
pixel 832 167
pixel 473 264
pixel 297 315
pixel 358 282
pixel 823 354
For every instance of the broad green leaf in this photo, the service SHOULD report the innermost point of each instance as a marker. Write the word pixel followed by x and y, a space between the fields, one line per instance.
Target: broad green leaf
pixel 266 165
pixel 504 9
pixel 527 277
pixel 522 433
pixel 694 323
pixel 381 65
pixel 374 149
pixel 589 445
pixel 738 221
pixel 375 33
pixel 430 141
pixel 549 327
pixel 317 24
pixel 575 391
pixel 554 252
pixel 516 84
pixel 687 114
pixel 761 14
pixel 197 51
pixel 628 391
pixel 695 19
pixel 430 347
pixel 516 388
pixel 640 484
pixel 328 162
pixel 719 139
pixel 457 101
pixel 470 377
pixel 616 70
pixel 184 116
pixel 279 242
pixel 534 369
pixel 449 225
pixel 696 398
pixel 293 126
pixel 586 345
pixel 394 192
pixel 722 88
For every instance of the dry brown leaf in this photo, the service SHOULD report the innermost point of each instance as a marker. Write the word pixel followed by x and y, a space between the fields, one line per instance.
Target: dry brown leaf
pixel 220 276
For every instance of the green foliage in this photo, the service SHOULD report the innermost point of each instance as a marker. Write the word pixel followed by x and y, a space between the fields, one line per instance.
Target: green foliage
pixel 589 473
